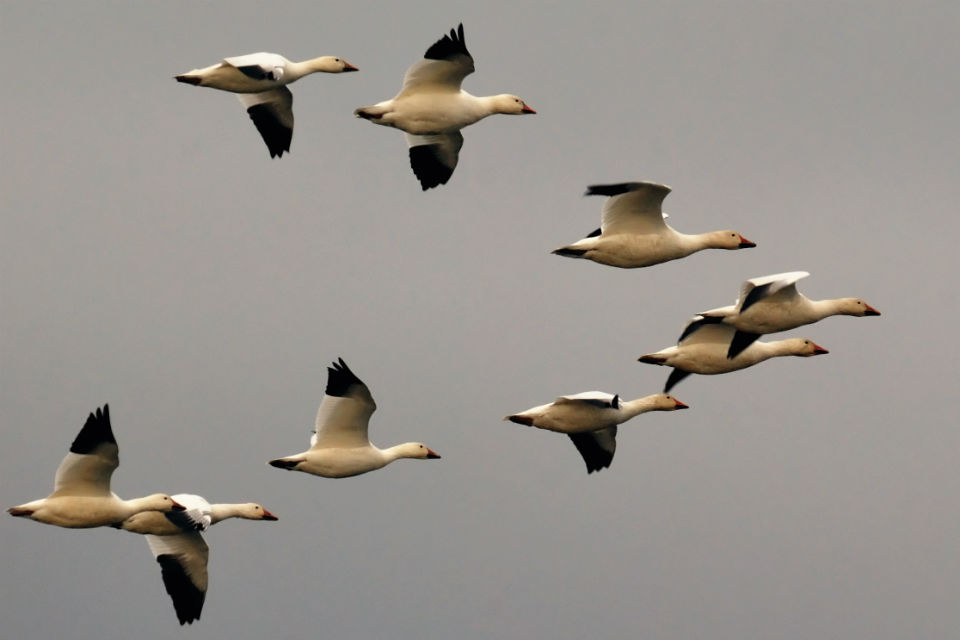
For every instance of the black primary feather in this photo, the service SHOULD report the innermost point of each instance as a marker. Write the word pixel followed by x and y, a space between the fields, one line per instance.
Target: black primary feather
pixel 754 296
pixel 276 135
pixel 187 599
pixel 613 189
pixel 675 376
pixel 95 432
pixel 595 456
pixel 448 46
pixel 427 166
pixel 340 379
pixel 741 340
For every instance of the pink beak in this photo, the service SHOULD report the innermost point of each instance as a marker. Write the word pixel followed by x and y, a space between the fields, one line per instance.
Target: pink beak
pixel 818 350
pixel 431 454
pixel 746 244
pixel 527 109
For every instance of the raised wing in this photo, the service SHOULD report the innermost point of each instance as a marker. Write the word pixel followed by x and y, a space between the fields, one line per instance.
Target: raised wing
pixel 344 411
pixel 596 447
pixel 781 284
pixel 86 470
pixel 183 566
pixel 443 68
pixel 433 158
pixel 633 207
pixel 259 66
pixel 272 114
pixel 197 516
pixel 597 399
pixel 708 333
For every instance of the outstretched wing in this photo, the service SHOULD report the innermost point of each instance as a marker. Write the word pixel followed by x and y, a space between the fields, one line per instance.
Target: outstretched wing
pixel 344 411
pixel 633 207
pixel 272 114
pixel 596 447
pixel 183 566
pixel 783 285
pixel 86 470
pixel 434 157
pixel 443 68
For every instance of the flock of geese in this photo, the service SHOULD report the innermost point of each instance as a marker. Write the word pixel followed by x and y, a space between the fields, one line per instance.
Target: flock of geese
pixel 431 109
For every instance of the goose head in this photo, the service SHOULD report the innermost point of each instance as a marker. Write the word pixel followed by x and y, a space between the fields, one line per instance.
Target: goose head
pixel 729 239
pixel 510 105
pixel 416 450
pixel 666 402
pixel 804 347
pixel 855 307
pixel 331 64
pixel 254 511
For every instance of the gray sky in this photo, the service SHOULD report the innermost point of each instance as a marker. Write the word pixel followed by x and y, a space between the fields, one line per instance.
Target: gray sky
pixel 155 258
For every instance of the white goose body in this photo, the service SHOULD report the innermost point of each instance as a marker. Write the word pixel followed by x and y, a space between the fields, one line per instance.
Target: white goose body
pixel 81 495
pixel 181 551
pixel 431 109
pixel 704 351
pixel 633 232
pixel 340 447
pixel 770 304
pixel 259 80
pixel 591 418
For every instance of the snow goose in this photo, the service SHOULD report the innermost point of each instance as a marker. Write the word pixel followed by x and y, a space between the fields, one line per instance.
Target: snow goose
pixel 181 551
pixel 339 448
pixel 432 109
pixel 633 232
pixel 81 495
pixel 770 304
pixel 704 351
pixel 591 418
pixel 259 80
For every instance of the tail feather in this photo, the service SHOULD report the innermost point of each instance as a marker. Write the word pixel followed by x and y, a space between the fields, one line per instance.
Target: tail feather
pixel 519 419
pixel 369 113
pixel 194 80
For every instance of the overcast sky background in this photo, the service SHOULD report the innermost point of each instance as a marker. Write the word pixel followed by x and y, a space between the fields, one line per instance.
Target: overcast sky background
pixel 155 257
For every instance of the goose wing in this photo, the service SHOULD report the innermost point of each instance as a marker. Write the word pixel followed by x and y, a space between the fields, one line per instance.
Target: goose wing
pixel 86 469
pixel 596 447
pixel 259 66
pixel 783 285
pixel 183 566
pixel 598 399
pixel 443 68
pixel 434 157
pixel 344 411
pixel 272 114
pixel 633 207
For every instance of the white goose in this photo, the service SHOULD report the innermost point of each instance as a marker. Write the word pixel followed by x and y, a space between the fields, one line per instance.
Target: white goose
pixel 181 551
pixel 81 495
pixel 704 351
pixel 259 80
pixel 633 232
pixel 770 304
pixel 432 109
pixel 340 447
pixel 591 418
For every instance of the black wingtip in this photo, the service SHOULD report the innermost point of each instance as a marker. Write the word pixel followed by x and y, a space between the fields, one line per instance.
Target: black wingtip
pixel 675 377
pixel 448 46
pixel 694 325
pixel 430 171
pixel 340 378
pixel 187 599
pixel 741 340
pixel 612 189
pixel 569 252
pixel 276 136
pixel 95 431
pixel 594 456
